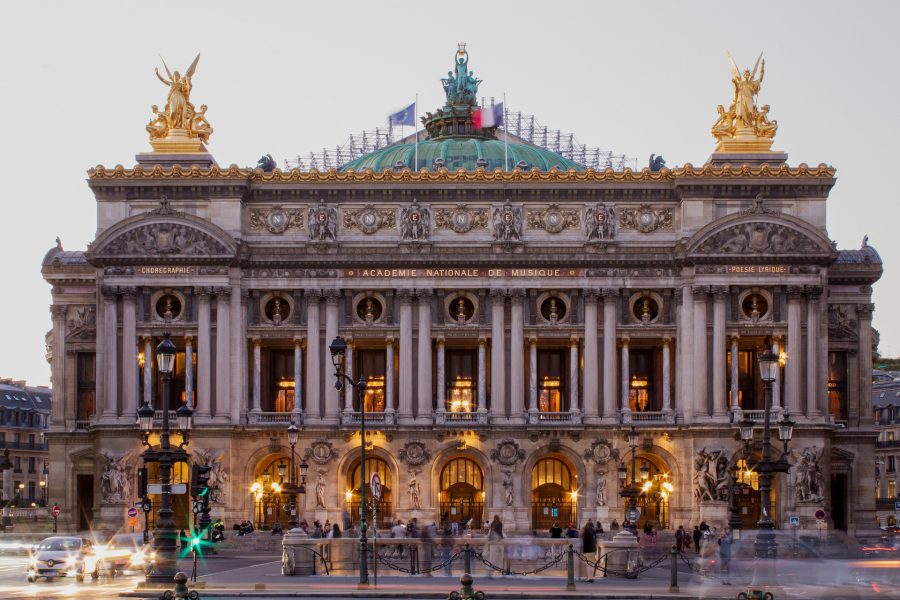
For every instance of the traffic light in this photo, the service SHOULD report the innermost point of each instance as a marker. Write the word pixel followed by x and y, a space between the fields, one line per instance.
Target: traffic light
pixel 142 482
pixel 200 480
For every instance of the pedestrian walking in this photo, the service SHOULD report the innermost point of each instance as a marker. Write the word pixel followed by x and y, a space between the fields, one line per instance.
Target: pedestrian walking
pixel 725 558
pixel 698 535
pixel 588 550
pixel 679 538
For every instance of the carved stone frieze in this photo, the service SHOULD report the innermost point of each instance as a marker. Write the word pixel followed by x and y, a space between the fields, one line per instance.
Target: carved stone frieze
pixel 507 223
pixel 461 219
pixel 369 219
pixel 645 218
pixel 842 324
pixel 164 239
pixel 267 273
pixel 601 452
pixel 632 272
pixel 321 223
pixel 600 223
pixel 415 223
pixel 321 452
pixel 758 238
pixel 553 219
pixel 276 219
pixel 83 324
pixel 507 453
pixel 414 453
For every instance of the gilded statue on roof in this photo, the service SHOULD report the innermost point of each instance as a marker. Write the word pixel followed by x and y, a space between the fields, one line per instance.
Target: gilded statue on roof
pixel 743 127
pixel 179 127
pixel 460 85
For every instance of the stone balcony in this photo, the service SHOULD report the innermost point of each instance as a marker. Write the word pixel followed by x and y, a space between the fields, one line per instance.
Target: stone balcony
pixel 473 419
pixel 354 418
pixel 274 418
pixel 571 417
pixel 647 418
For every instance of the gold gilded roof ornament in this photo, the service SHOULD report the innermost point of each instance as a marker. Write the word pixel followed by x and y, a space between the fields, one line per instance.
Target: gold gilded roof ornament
pixel 744 127
pixel 179 127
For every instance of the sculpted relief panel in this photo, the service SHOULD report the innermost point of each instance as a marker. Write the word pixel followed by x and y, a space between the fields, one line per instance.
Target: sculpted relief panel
pixel 758 238
pixel 160 239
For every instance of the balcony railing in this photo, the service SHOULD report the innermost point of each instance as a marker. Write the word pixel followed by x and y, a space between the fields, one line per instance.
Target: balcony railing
pixel 648 417
pixel 158 417
pixel 82 424
pixel 462 418
pixel 555 418
pixel 372 418
pixel 274 418
pixel 887 444
pixel 23 445
pixel 885 503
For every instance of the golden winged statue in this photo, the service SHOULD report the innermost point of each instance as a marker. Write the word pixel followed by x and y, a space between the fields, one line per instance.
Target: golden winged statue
pixel 743 127
pixel 179 127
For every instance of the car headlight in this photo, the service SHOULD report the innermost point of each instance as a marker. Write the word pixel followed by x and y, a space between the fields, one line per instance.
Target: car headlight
pixel 71 572
pixel 90 563
pixel 138 558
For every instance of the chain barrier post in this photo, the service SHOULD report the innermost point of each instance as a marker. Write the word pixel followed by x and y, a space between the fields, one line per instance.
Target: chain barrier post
pixel 412 559
pixel 673 571
pixel 467 559
pixel 570 570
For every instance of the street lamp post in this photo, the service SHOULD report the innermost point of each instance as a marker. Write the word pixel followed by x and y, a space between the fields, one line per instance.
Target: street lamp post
pixel 164 535
pixel 338 349
pixel 632 490
pixel 45 481
pixel 765 545
pixel 292 488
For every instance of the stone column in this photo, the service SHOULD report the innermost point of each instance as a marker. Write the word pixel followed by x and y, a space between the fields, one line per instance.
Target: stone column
pixel 573 374
pixel 517 356
pixel 813 404
pixel 204 358
pixel 148 370
pixel 237 359
pixel 482 375
pixel 349 392
pixel 777 344
pixel 609 356
pixel 442 377
pixel 313 357
pixel 591 363
pixel 626 382
pixel 332 395
pixel 389 375
pixel 735 374
pixel 794 345
pixel 189 370
pixel 58 366
pixel 297 409
pixel 498 354
pixel 405 412
pixel 666 376
pixel 684 356
pixel 532 376
pixel 425 398
pixel 224 398
pixel 257 375
pixel 720 406
pixel 701 356
pixel 111 375
pixel 864 314
pixel 129 353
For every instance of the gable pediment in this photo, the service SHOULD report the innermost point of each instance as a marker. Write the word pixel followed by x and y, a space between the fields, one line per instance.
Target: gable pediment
pixel 755 236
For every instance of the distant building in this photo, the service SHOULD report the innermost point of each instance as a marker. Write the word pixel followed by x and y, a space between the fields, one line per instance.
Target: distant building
pixel 886 403
pixel 24 419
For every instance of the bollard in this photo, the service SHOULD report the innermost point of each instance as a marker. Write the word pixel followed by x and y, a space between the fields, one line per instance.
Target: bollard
pixel 570 570
pixel 181 591
pixel 673 577
pixel 467 559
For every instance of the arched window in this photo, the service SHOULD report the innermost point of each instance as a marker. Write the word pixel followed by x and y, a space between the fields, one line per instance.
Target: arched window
pixel 553 493
pixel 382 507
pixel 462 493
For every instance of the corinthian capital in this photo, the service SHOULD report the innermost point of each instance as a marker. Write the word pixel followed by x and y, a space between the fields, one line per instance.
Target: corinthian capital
pixel 405 296
pixel 700 292
pixel 58 311
pixel 331 296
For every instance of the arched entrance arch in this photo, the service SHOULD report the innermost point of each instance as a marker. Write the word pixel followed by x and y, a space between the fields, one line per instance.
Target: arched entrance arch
pixel 268 502
pixel 554 492
pixel 381 508
pixel 748 500
pixel 461 493
pixel 657 487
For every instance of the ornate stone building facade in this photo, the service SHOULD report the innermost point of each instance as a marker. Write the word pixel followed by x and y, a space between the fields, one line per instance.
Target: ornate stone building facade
pixel 515 320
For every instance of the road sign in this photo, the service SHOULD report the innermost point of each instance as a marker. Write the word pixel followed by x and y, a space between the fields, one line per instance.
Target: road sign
pixel 132 512
pixel 132 521
pixel 897 506
pixel 174 488
pixel 146 506
pixel 375 484
pixel 795 521
pixel 198 506
pixel 820 515
pixel 632 514
pixel 56 510
pixel 820 524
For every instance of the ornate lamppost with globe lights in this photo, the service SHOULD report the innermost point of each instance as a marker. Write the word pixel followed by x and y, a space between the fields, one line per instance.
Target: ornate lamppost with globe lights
pixel 631 491
pixel 292 488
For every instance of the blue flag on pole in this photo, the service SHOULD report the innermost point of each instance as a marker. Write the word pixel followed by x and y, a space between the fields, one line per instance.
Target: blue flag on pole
pixel 406 116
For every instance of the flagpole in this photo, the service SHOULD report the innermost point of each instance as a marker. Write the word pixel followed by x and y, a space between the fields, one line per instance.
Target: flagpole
pixel 416 127
pixel 505 136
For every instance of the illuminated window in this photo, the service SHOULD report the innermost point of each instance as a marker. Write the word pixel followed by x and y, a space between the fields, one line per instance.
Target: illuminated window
pixel 461 387
pixel 371 363
pixel 281 371
pixel 552 389
pixel 642 395
pixel 747 476
pixel 892 489
pixel 837 385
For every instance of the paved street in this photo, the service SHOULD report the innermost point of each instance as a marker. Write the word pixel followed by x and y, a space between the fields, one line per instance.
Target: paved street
pixel 257 575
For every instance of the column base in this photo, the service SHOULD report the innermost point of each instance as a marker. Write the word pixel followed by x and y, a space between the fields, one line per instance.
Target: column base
pixel 517 419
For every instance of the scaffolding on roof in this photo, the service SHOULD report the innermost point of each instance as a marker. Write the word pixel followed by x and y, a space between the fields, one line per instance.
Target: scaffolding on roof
pixel 521 125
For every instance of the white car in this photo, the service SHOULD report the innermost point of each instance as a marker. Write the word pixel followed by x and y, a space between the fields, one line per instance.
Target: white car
pixel 63 556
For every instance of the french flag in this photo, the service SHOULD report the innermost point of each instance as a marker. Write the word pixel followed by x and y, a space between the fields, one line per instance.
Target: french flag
pixel 489 116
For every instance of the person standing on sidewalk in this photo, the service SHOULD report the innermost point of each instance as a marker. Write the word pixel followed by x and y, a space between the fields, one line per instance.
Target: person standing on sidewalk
pixel 589 550
pixel 725 558
pixel 698 535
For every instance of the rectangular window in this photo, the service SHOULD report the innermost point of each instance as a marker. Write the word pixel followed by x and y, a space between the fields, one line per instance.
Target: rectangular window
pixel 551 381
pixel 892 489
pixel 17 464
pixel 177 386
pixel 750 387
pixel 890 436
pixel 281 376
pixel 837 385
pixel 642 395
pixel 31 464
pixel 891 464
pixel 371 363
pixel 461 380
pixel 85 385
pixel 31 490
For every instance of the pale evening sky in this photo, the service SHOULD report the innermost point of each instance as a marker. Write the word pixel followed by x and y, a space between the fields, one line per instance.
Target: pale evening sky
pixel 288 78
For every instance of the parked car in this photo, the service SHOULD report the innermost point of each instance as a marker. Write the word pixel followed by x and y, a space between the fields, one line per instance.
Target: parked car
pixel 63 556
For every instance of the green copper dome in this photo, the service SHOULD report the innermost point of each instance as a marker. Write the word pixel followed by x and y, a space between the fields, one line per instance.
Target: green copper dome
pixel 462 153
